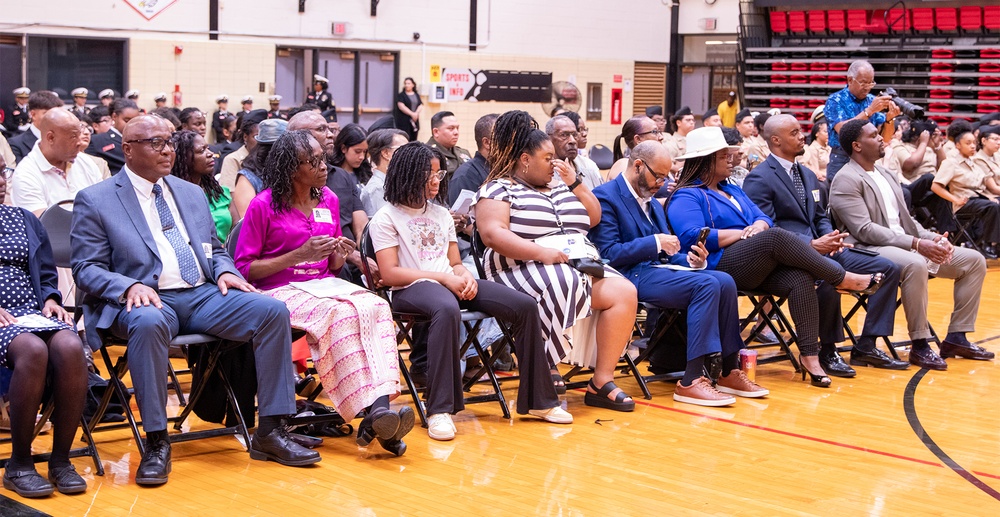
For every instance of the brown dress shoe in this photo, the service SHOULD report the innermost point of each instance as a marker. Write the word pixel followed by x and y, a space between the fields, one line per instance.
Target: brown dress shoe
pixel 702 393
pixel 968 351
pixel 927 359
pixel 737 383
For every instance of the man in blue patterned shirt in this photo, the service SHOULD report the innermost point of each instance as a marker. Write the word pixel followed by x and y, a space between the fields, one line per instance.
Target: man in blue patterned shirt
pixel 856 102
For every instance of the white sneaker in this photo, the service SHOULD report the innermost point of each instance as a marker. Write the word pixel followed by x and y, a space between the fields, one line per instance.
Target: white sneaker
pixel 555 415
pixel 440 427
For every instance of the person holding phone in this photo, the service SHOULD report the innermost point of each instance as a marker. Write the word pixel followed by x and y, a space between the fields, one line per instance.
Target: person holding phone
pixel 772 187
pixel 291 233
pixel 633 236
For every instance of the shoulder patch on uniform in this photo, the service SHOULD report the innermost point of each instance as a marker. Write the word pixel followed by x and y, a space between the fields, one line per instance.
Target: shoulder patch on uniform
pixel 108 147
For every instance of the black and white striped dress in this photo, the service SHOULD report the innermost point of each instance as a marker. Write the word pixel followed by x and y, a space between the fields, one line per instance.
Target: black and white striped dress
pixel 563 293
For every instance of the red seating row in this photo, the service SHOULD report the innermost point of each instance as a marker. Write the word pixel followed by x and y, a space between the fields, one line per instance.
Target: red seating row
pixel 808 79
pixel 879 21
pixel 781 66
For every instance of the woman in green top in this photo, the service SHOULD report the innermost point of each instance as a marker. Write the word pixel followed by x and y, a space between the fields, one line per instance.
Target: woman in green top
pixel 194 162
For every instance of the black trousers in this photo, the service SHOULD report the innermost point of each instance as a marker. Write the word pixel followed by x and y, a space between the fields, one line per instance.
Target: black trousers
pixel 444 375
pixel 781 263
pixel 986 213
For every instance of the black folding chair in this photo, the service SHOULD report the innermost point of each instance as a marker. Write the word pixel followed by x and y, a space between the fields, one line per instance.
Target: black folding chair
pixel 861 303
pixel 472 320
pixel 760 301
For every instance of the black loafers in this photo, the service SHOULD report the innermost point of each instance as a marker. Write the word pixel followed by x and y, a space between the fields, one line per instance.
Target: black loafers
pixel 394 443
pixel 155 465
pixel 927 359
pixel 66 480
pixel 27 483
pixel 877 359
pixel 967 351
pixel 379 422
pixel 833 364
pixel 278 447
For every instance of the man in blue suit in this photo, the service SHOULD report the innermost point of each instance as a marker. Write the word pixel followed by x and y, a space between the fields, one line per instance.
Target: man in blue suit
pixel 633 236
pixel 146 254
pixel 789 194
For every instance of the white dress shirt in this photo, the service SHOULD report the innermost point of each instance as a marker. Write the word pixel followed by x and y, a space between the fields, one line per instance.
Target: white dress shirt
pixel 891 207
pixel 37 184
pixel 373 193
pixel 170 275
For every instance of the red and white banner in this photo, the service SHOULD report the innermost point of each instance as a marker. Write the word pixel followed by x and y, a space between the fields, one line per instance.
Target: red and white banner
pixel 148 9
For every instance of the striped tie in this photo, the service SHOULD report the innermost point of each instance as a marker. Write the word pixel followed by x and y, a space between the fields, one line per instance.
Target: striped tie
pixel 185 257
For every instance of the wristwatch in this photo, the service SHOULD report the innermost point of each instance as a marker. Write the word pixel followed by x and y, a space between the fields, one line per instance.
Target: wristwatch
pixel 575 183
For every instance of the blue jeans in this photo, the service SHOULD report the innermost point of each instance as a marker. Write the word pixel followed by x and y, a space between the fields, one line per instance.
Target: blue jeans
pixel 838 159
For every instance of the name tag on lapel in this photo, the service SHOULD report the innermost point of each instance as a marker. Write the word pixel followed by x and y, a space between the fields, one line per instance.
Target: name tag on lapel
pixel 816 195
pixel 207 248
pixel 108 147
pixel 322 215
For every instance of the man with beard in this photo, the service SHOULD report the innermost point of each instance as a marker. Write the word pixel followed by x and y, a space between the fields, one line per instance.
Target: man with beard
pixel 562 131
pixel 789 194
pixel 634 237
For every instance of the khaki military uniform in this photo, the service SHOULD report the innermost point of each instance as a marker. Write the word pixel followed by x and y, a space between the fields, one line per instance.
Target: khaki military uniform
pixel 452 157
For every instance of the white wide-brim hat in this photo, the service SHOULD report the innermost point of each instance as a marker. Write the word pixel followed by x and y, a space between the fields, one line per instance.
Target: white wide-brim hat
pixel 705 141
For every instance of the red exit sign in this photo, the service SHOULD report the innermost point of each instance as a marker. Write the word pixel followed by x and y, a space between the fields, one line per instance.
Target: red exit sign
pixel 339 29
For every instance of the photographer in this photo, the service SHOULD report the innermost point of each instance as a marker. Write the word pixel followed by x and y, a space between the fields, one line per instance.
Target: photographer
pixel 855 102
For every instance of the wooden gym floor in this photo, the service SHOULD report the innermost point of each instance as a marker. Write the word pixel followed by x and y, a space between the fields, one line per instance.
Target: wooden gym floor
pixel 883 443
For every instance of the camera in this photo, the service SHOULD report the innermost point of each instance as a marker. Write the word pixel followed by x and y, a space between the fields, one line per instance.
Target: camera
pixel 909 109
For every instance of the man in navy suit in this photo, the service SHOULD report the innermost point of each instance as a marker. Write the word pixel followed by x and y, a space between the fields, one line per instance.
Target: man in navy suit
pixel 634 237
pixel 146 254
pixel 108 145
pixel 789 194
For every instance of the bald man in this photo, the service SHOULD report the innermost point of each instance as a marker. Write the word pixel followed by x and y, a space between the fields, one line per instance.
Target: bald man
pixel 789 194
pixel 633 235
pixel 147 255
pixel 54 170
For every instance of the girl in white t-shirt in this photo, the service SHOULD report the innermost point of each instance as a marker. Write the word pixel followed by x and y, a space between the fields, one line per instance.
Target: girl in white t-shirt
pixel 417 254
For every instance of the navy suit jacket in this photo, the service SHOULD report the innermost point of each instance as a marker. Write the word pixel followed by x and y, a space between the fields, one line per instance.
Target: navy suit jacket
pixel 113 247
pixel 108 145
pixel 770 188
pixel 695 207
pixel 625 237
pixel 22 144
pixel 41 267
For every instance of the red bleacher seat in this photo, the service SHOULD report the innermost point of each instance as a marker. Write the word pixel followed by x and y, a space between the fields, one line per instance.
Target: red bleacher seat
pixel 942 53
pixel 779 66
pixel 991 68
pixel 817 22
pixel 856 20
pixel 779 22
pixel 797 22
pixel 989 53
pixel 800 67
pixel 779 103
pixel 923 19
pixel 899 20
pixel 835 21
pixel 836 79
pixel 939 107
pixel 877 23
pixel 779 78
pixel 988 108
pixel 837 67
pixel 817 79
pixel 991 18
pixel 989 81
pixel 941 80
pixel 815 103
pixel 970 18
pixel 946 19
pixel 798 79
pixel 940 94
pixel 989 95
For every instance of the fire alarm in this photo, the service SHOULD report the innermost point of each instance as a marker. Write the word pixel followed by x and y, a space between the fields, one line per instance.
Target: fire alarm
pixel 178 50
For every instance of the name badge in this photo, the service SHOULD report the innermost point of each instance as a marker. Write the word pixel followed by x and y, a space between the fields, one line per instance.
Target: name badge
pixel 322 215
pixel 816 196
pixel 207 248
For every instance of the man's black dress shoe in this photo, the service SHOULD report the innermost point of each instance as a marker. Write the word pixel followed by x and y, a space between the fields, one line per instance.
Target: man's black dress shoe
pixel 968 351
pixel 927 359
pixel 155 465
pixel 876 358
pixel 27 483
pixel 66 480
pixel 835 366
pixel 277 446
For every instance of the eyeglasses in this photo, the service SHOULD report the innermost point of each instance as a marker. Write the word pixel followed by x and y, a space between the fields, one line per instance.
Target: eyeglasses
pixel 316 162
pixel 324 129
pixel 8 172
pixel 439 175
pixel 655 132
pixel 563 135
pixel 584 131
pixel 866 84
pixel 657 178
pixel 156 143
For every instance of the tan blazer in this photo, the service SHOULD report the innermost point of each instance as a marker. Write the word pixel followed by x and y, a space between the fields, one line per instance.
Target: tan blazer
pixel 857 207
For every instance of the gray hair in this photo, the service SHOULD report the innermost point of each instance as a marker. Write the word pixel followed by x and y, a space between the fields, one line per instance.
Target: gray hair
pixel 857 67
pixel 550 126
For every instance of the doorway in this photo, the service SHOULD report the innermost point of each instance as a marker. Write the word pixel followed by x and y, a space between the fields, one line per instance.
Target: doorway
pixel 362 83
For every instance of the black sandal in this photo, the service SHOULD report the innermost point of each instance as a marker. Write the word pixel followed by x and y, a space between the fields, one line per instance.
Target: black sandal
pixel 67 480
pixel 559 384
pixel 601 400
pixel 379 422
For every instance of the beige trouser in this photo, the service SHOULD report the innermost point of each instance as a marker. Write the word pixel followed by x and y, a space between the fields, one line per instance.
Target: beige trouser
pixel 967 268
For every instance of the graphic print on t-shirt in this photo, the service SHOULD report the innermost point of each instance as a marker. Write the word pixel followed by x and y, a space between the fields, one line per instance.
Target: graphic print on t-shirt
pixel 427 237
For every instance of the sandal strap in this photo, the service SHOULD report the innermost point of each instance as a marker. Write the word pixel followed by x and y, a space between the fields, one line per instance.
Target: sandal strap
pixel 606 390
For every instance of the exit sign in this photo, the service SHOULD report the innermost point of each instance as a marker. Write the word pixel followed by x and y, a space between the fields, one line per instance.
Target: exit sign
pixel 339 28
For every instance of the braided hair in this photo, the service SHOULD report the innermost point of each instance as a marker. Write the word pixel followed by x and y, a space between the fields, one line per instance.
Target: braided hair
pixel 183 166
pixel 351 135
pixel 407 175
pixel 282 163
pixel 514 133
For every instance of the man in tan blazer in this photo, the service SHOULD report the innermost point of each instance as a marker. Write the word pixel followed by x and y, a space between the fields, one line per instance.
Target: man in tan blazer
pixel 867 202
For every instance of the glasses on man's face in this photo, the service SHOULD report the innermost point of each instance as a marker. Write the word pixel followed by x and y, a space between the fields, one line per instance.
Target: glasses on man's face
pixel 657 178
pixel 156 143
pixel 104 120
pixel 865 84
pixel 564 135
pixel 8 172
pixel 436 175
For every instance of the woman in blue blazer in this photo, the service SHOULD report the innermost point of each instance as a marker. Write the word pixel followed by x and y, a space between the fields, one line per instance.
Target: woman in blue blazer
pixel 742 242
pixel 37 337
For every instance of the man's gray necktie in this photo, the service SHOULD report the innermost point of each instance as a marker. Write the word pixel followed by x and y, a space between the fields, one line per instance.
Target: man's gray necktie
pixel 185 257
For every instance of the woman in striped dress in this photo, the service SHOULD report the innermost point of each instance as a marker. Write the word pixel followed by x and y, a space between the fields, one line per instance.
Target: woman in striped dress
pixel 516 206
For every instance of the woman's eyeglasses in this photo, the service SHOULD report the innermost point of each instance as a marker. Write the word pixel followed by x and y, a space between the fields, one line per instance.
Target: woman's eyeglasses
pixel 655 132
pixel 316 161
pixel 8 172
pixel 439 175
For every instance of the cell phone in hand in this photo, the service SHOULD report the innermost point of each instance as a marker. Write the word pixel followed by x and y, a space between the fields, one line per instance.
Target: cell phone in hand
pixel 870 253
pixel 703 235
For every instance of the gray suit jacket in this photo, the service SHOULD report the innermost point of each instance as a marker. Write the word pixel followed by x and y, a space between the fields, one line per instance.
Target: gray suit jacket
pixel 857 207
pixel 113 248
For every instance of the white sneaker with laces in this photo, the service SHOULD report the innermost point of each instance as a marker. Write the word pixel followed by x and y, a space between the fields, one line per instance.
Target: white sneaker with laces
pixel 440 427
pixel 555 415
